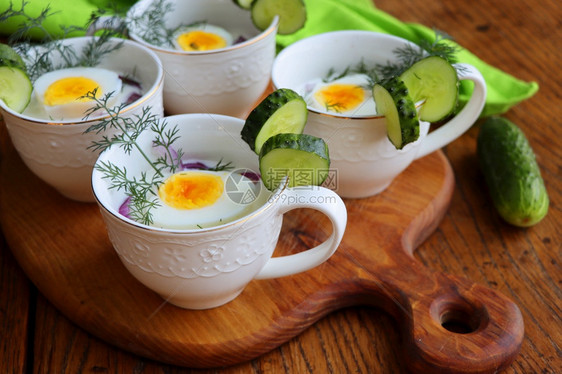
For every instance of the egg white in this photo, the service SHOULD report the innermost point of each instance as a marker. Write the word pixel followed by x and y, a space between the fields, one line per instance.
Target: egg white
pixel 222 211
pixel 108 81
pixel 367 107
pixel 207 28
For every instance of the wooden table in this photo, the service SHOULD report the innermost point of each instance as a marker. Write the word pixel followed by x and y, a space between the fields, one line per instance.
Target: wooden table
pixel 521 37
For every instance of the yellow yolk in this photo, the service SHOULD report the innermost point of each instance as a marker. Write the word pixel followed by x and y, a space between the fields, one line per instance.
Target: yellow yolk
pixel 340 97
pixel 68 90
pixel 200 41
pixel 191 190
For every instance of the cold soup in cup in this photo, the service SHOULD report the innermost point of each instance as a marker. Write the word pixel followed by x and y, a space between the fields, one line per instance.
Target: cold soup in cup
pixel 363 160
pixel 49 135
pixel 215 59
pixel 215 226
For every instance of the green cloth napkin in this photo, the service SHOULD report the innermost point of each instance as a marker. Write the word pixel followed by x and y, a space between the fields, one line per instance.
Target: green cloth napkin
pixel 504 90
pixel 64 14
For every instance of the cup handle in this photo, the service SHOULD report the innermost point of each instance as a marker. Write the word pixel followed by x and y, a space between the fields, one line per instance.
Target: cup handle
pixel 464 119
pixel 108 23
pixel 318 198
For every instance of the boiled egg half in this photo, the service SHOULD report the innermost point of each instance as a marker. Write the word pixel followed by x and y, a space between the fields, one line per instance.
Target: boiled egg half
pixel 348 95
pixel 202 37
pixel 60 92
pixel 193 199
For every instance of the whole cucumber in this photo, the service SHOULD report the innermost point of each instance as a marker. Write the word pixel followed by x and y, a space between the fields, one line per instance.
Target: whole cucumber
pixel 511 172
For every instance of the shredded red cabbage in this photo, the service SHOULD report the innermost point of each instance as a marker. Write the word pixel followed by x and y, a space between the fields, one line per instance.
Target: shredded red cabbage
pixel 124 208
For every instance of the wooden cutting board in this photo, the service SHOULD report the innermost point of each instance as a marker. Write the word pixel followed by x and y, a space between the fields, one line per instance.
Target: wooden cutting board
pixel 447 323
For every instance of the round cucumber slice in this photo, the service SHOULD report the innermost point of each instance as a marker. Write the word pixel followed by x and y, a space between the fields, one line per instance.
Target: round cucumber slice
pixel 15 88
pixel 292 14
pixel 283 111
pixel 244 4
pixel 392 100
pixel 303 158
pixel 434 80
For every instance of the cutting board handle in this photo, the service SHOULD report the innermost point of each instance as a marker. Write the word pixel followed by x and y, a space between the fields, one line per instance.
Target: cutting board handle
pixel 449 324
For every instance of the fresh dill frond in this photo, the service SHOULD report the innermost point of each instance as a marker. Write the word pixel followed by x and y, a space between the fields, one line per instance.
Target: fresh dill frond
pixel 126 130
pixel 410 54
pixel 221 167
pixel 371 73
pixel 151 26
pixel 140 190
pixel 171 158
pixel 405 57
pixel 333 75
pixel 97 48
pixel 28 23
pixel 333 107
pixel 39 56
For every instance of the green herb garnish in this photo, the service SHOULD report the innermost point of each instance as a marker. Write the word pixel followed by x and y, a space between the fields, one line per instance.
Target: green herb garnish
pixel 406 56
pixel 128 129
pixel 361 68
pixel 409 55
pixel 221 167
pixel 39 57
pixel 150 25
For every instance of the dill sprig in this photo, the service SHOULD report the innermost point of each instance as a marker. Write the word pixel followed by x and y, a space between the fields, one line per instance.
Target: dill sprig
pixel 171 158
pixel 410 54
pixel 139 190
pixel 361 68
pixel 405 57
pixel 29 23
pixel 127 129
pixel 334 107
pixel 221 167
pixel 151 26
pixel 39 56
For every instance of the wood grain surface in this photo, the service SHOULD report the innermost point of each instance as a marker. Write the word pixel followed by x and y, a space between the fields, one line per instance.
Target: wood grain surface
pixel 520 37
pixel 74 266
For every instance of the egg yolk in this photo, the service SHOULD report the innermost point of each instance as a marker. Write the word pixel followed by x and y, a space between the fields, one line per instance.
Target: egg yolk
pixel 191 190
pixel 339 97
pixel 71 89
pixel 199 40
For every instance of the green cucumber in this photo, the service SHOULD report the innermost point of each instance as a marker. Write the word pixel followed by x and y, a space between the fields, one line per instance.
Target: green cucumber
pixel 433 80
pixel 244 4
pixel 511 172
pixel 303 158
pixel 9 57
pixel 15 88
pixel 283 111
pixel 393 101
pixel 292 14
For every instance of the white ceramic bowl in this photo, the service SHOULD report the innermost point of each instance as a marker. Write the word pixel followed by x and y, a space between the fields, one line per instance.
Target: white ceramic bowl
pixel 363 161
pixel 205 268
pixel 56 151
pixel 224 81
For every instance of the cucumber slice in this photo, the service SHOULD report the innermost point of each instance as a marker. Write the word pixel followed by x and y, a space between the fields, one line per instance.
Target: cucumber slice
pixel 393 101
pixel 292 14
pixel 283 111
pixel 244 4
pixel 434 80
pixel 15 88
pixel 9 57
pixel 303 158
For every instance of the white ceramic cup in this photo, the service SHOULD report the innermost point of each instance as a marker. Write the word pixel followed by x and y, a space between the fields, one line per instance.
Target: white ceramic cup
pixel 206 268
pixel 57 151
pixel 363 161
pixel 225 81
